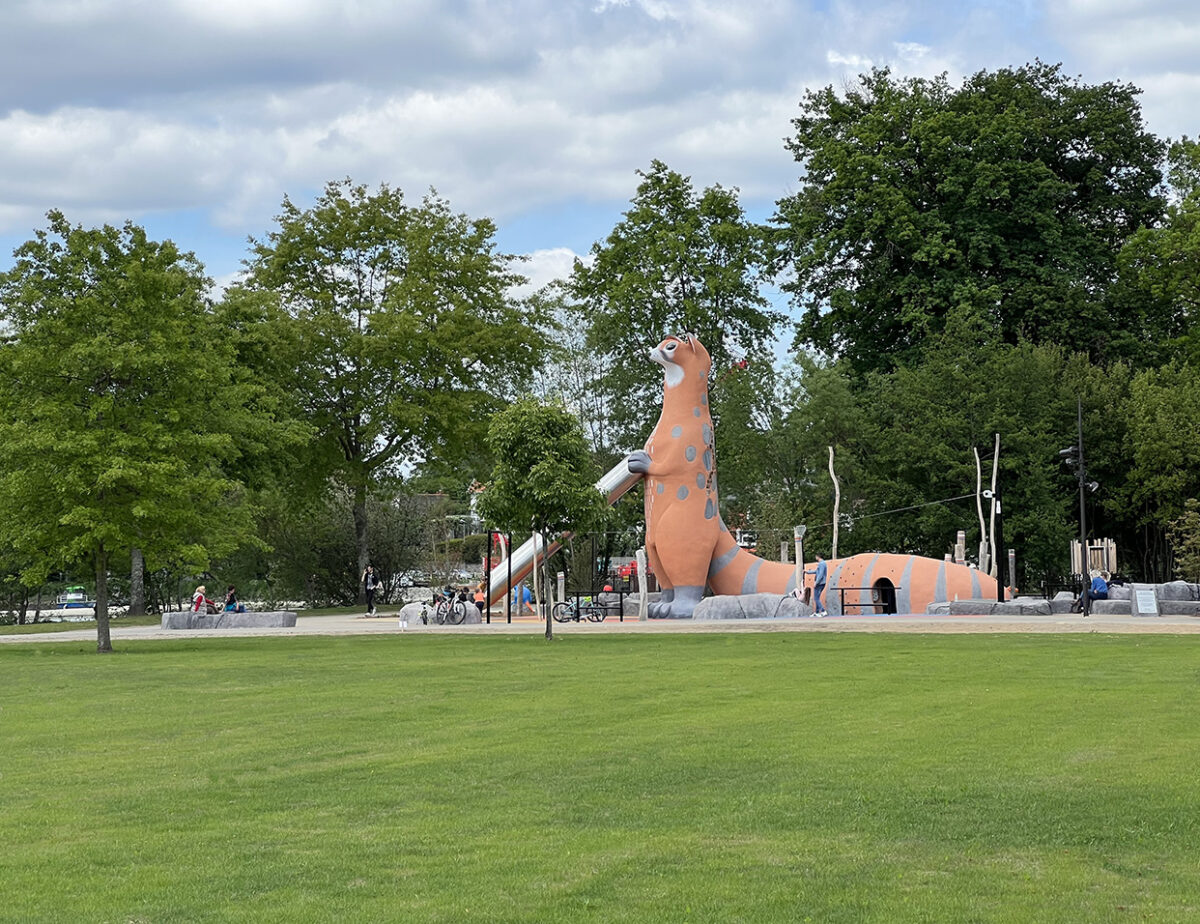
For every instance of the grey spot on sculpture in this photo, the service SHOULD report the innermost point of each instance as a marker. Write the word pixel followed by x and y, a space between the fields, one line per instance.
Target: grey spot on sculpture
pixel 708 460
pixel 710 511
pixel 658 488
pixel 690 453
pixel 682 493
pixel 706 432
pixel 700 480
pixel 695 412
pixel 677 432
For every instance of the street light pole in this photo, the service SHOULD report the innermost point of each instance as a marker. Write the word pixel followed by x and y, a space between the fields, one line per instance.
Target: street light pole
pixel 1083 549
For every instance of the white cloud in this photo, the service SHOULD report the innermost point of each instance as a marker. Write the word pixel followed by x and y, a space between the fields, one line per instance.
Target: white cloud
pixel 542 267
pixel 224 106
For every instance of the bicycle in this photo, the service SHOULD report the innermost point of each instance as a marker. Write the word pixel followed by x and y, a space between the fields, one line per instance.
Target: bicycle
pixel 449 606
pixel 578 610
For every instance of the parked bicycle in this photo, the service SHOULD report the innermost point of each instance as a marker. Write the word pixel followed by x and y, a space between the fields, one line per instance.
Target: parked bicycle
pixel 449 606
pixel 579 609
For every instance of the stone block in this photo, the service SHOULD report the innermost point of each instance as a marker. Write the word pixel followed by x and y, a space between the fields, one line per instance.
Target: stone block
pixel 1110 607
pixel 272 619
pixel 750 606
pixel 1179 607
pixel 1119 592
pixel 1022 606
pixel 1178 590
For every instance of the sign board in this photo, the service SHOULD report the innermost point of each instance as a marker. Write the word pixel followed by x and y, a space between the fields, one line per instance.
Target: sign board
pixel 1145 601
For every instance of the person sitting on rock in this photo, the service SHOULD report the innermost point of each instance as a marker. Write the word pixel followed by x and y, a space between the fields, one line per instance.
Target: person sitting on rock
pixel 201 603
pixel 1097 590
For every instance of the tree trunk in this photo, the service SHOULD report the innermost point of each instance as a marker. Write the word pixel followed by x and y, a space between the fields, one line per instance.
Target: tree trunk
pixel 137 584
pixel 360 538
pixel 24 606
pixel 103 641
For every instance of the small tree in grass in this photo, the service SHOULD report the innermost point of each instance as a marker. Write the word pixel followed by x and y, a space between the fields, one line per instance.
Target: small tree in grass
pixel 119 409
pixel 544 478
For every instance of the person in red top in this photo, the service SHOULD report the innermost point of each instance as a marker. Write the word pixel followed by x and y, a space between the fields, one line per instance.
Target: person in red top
pixel 201 603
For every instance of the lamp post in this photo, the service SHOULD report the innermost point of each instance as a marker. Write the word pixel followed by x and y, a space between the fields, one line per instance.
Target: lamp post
pixel 1072 456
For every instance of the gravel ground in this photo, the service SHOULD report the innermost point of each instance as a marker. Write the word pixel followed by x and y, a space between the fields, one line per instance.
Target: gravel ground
pixel 387 624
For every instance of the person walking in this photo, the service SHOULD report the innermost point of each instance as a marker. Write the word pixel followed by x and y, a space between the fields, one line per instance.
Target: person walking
pixel 370 585
pixel 820 576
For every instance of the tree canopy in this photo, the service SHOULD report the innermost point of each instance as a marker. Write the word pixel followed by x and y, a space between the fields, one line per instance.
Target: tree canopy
pixel 119 411
pixel 1008 197
pixel 677 261
pixel 403 334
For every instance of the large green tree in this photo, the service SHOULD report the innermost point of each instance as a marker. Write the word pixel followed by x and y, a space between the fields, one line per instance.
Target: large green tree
pixel 544 478
pixel 403 336
pixel 1161 264
pixel 119 411
pixel 1008 197
pixel 677 261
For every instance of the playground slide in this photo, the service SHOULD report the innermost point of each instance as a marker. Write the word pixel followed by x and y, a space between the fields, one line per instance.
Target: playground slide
pixel 613 486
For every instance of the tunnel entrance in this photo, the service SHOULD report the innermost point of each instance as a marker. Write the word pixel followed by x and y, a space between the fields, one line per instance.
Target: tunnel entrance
pixel 883 592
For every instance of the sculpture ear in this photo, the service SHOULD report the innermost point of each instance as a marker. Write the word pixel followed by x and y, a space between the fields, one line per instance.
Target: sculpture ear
pixel 690 339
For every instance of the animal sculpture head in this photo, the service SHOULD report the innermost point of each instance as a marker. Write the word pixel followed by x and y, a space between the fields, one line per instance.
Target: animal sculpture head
pixel 682 357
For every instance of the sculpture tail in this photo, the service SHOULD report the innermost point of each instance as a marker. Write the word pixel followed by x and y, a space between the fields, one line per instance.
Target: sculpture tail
pixel 733 570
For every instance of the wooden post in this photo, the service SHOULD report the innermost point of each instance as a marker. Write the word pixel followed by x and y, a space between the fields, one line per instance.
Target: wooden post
pixel 837 502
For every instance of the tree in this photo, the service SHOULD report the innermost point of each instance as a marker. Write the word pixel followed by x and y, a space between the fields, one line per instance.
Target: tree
pixel 403 334
pixel 118 407
pixel 1161 264
pixel 1185 536
pixel 773 429
pixel 1007 198
pixel 544 478
pixel 1163 420
pixel 677 261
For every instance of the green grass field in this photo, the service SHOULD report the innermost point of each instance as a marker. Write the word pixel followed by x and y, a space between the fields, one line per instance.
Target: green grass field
pixel 766 777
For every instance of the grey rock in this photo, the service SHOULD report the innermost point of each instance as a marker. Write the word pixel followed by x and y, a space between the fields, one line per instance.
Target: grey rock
pixel 750 606
pixel 276 619
pixel 1110 607
pixel 1022 606
pixel 1178 590
pixel 1179 607
pixel 1119 592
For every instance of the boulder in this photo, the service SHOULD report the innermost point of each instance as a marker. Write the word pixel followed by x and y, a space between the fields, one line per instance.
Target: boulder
pixel 1021 606
pixel 1179 607
pixel 1110 607
pixel 1178 590
pixel 275 619
pixel 750 606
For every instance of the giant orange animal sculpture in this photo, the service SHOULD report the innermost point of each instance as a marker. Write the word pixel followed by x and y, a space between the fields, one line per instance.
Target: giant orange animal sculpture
pixel 689 546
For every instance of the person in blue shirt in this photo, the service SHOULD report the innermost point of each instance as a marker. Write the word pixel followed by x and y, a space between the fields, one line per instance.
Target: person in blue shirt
pixel 521 594
pixel 820 575
pixel 1097 590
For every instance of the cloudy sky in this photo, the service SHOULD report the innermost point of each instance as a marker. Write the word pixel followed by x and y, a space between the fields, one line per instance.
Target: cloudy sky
pixel 195 117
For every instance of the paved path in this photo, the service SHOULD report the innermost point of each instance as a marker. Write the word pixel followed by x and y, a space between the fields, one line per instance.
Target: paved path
pixel 388 625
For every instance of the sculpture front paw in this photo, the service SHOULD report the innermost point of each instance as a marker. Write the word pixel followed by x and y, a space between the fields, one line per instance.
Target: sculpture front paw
pixel 639 462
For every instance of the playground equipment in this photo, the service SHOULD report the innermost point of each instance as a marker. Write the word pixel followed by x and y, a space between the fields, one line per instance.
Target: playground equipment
pixel 690 548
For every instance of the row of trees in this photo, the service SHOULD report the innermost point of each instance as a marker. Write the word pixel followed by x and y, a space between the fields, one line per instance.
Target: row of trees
pixel 962 261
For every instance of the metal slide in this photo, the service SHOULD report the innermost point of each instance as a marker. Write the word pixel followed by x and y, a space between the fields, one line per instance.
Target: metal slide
pixel 613 486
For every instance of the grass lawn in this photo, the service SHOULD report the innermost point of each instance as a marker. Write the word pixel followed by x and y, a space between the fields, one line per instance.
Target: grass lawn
pixel 767 777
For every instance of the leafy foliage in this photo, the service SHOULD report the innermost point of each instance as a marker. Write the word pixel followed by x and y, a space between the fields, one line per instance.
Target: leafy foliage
pixel 403 334
pixel 119 411
pixel 677 261
pixel 1006 199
